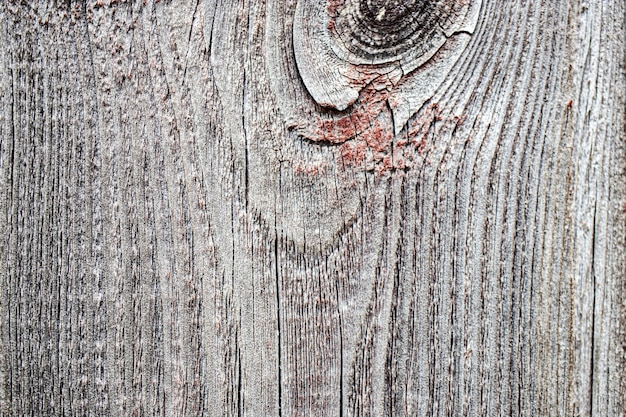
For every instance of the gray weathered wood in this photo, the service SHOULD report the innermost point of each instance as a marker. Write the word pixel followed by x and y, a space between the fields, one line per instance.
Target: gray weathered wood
pixel 186 228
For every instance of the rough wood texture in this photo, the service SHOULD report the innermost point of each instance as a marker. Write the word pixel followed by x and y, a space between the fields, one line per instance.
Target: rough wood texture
pixel 185 230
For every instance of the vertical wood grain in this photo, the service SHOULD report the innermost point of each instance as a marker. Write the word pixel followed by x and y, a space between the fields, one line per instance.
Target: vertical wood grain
pixel 176 241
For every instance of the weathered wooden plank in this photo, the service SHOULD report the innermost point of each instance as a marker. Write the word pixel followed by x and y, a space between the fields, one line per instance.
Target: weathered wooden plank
pixel 188 227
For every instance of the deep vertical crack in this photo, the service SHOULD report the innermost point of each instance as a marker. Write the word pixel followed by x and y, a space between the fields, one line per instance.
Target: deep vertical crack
pixel 341 389
pixel 593 311
pixel 278 315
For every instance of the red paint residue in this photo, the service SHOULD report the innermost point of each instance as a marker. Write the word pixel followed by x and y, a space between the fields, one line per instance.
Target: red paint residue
pixel 334 6
pixel 308 169
pixel 353 154
pixel 361 122
pixel 378 138
pixel 366 135
pixel 333 12
pixel 365 131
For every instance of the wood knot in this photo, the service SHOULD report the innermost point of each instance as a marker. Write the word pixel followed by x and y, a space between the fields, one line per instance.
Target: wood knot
pixel 373 32
pixel 342 46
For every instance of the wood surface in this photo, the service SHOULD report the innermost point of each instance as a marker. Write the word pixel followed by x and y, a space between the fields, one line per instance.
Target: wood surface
pixel 222 208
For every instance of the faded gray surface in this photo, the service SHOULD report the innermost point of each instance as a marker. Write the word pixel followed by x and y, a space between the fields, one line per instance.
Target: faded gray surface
pixel 171 246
